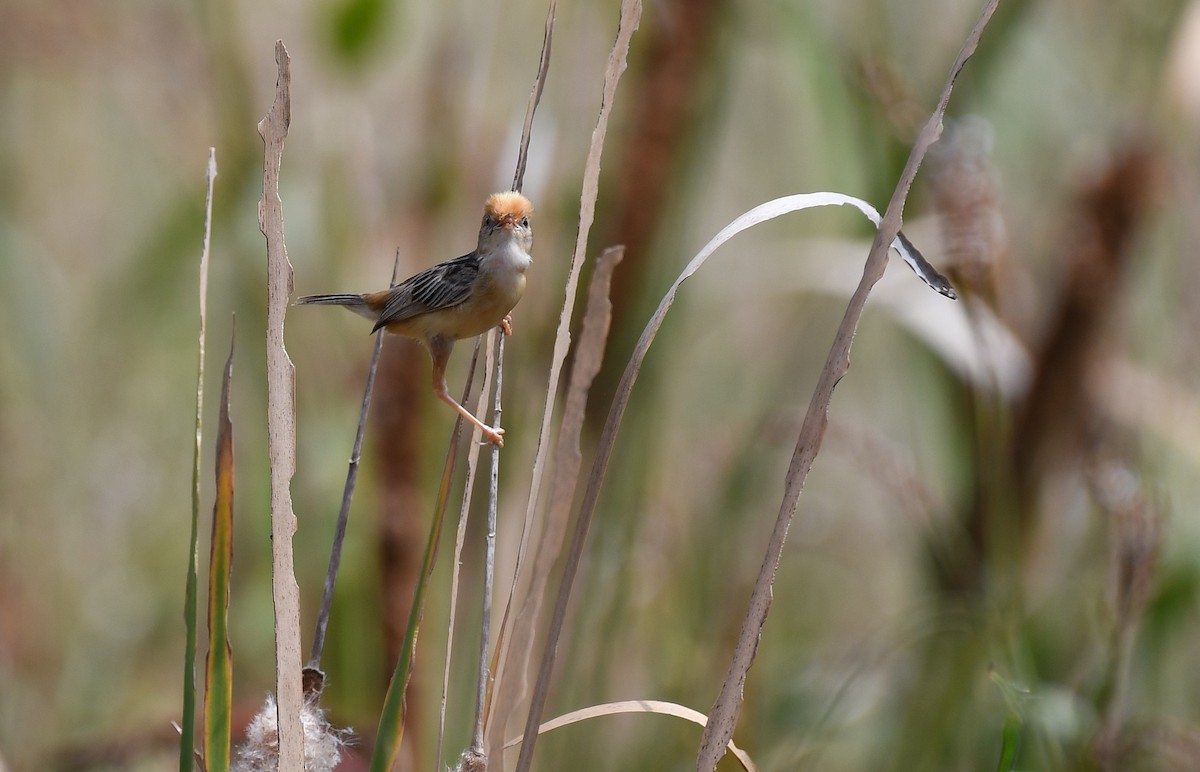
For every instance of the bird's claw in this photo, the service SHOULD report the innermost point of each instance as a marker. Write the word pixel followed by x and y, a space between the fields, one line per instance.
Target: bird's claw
pixel 494 436
pixel 506 324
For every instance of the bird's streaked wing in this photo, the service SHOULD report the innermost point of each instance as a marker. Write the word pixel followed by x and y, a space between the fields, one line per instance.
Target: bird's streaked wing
pixel 444 285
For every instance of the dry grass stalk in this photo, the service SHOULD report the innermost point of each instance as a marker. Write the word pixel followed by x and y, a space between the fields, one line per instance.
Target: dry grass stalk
pixel 281 428
pixel 588 357
pixel 490 371
pixel 343 517
pixel 505 692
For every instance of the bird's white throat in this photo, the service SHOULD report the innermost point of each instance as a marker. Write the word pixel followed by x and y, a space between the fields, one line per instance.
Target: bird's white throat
pixel 511 257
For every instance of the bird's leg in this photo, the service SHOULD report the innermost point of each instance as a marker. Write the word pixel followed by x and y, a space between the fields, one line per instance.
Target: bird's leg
pixel 440 353
pixel 506 324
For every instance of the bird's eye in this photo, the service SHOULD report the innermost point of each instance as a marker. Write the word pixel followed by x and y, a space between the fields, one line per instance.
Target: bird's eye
pixel 524 222
pixel 488 220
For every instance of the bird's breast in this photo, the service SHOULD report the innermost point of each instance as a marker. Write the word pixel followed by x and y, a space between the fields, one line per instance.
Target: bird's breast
pixel 502 273
pixel 498 287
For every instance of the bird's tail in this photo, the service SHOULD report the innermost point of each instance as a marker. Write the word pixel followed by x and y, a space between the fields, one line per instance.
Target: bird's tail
pixel 356 303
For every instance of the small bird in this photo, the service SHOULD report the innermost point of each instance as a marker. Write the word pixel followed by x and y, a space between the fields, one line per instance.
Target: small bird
pixel 460 298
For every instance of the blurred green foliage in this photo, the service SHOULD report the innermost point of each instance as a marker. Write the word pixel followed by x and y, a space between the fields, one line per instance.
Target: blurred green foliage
pixel 357 26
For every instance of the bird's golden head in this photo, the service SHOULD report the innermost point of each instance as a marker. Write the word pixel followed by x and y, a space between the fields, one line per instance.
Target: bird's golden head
pixel 507 207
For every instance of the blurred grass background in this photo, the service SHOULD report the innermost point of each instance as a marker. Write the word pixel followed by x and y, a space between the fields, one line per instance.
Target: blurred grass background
pixel 969 544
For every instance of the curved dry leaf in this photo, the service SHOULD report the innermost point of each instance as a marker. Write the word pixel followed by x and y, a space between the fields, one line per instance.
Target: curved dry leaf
pixel 800 201
pixel 637 706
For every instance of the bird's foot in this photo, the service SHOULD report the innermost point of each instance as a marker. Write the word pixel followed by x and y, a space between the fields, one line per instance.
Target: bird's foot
pixel 494 436
pixel 506 324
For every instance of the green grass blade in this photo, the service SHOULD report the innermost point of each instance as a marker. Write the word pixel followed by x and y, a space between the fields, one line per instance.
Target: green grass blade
pixel 218 675
pixel 1010 743
pixel 391 720
pixel 187 729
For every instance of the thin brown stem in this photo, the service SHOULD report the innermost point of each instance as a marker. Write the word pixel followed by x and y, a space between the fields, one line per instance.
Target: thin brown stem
pixel 339 531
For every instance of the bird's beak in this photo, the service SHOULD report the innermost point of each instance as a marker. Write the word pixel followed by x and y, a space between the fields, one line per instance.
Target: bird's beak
pixel 508 222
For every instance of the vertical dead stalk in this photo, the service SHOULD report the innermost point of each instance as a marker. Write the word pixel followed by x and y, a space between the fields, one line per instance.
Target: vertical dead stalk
pixel 490 368
pixel 506 690
pixel 281 427
pixel 588 358
pixel 535 96
pixel 489 563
